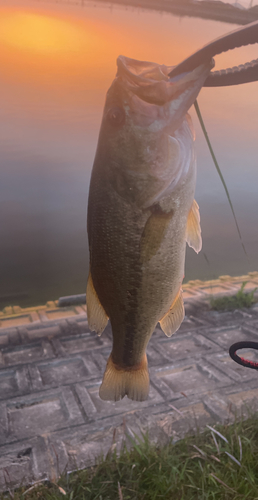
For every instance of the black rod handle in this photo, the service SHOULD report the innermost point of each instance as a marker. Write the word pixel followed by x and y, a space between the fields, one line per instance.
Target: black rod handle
pixel 242 361
pixel 232 76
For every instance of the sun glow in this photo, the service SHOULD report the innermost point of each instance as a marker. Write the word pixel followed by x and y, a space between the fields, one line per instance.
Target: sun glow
pixel 40 33
pixel 43 49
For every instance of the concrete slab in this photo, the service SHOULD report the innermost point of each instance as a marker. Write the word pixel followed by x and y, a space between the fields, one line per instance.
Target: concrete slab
pixel 51 367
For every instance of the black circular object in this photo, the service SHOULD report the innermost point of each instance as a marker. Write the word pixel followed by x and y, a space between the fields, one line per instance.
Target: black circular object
pixel 240 360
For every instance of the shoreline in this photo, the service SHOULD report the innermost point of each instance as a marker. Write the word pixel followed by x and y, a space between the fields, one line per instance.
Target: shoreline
pixel 196 292
pixel 207 9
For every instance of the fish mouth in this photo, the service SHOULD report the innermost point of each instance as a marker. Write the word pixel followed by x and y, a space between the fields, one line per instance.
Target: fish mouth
pixel 152 81
pixel 151 84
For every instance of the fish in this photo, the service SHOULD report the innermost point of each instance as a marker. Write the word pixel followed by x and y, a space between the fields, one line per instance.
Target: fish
pixel 141 214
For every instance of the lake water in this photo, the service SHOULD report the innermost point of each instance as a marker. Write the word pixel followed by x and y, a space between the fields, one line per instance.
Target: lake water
pixel 56 64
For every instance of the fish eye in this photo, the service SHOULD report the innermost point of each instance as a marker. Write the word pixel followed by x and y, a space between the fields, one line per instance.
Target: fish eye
pixel 116 116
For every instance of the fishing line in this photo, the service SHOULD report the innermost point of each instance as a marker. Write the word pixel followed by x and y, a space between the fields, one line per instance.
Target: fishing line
pixel 244 344
pixel 197 109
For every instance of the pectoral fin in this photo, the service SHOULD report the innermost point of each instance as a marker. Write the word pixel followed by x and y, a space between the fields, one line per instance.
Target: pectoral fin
pixel 154 232
pixel 174 317
pixel 97 318
pixel 193 229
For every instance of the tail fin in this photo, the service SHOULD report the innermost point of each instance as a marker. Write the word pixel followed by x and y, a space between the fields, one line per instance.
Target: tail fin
pixel 133 382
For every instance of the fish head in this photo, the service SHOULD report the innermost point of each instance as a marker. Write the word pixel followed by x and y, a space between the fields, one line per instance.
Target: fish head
pixel 144 109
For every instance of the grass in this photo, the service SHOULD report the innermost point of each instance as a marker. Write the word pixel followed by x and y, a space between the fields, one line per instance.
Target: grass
pixel 219 464
pixel 238 301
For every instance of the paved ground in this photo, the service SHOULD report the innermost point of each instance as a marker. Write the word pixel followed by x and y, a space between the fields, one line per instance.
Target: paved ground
pixel 51 366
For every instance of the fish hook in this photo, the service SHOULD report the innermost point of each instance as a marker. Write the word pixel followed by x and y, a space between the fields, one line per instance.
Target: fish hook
pixel 243 73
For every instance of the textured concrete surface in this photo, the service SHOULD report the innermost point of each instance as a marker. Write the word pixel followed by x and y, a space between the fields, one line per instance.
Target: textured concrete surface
pixel 51 366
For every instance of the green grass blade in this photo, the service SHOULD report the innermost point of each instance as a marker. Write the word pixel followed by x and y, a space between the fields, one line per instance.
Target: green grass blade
pixel 197 109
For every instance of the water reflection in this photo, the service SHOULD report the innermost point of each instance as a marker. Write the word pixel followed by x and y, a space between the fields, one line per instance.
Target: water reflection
pixel 57 63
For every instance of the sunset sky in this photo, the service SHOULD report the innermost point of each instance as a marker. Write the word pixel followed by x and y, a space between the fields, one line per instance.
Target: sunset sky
pixel 57 63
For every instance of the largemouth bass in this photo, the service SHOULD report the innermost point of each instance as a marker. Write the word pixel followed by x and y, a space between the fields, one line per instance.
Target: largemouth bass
pixel 141 213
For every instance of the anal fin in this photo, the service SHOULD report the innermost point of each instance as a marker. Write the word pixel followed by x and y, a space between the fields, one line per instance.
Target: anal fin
pixel 193 229
pixel 97 318
pixel 132 382
pixel 174 317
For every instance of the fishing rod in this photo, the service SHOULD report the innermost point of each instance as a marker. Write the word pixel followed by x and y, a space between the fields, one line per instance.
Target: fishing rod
pixel 243 73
